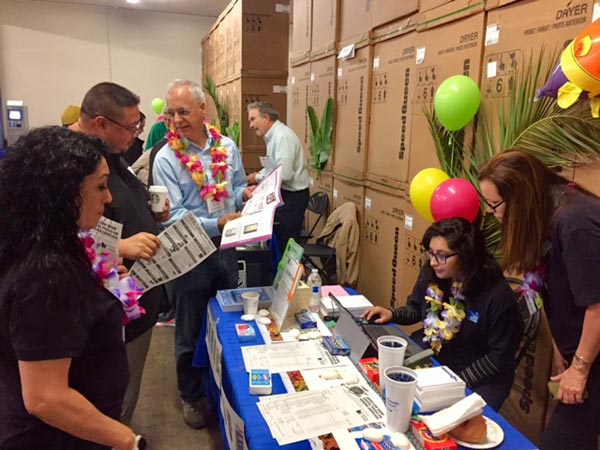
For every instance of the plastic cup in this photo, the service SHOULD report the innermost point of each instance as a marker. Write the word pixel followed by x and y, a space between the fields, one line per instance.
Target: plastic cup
pixel 158 198
pixel 391 350
pixel 250 302
pixel 401 385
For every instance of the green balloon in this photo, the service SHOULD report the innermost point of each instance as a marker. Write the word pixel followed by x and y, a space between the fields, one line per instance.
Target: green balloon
pixel 157 105
pixel 456 102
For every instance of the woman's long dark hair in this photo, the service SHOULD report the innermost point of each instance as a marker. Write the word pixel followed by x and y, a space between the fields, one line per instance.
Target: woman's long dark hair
pixel 40 182
pixel 478 267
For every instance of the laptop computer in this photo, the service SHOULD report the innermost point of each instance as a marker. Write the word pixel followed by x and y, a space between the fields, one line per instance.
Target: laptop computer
pixel 362 337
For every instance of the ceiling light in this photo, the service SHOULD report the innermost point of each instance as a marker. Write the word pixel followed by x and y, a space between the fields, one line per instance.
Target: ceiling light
pixel 135 2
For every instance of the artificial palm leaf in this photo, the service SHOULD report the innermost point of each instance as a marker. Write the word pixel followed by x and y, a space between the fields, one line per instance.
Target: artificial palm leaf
pixel 321 135
pixel 222 114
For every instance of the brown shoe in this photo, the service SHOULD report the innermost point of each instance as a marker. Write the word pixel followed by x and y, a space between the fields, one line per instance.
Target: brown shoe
pixel 195 415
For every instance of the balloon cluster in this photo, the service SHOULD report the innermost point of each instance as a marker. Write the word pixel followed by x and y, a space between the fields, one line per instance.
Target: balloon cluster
pixel 577 73
pixel 436 196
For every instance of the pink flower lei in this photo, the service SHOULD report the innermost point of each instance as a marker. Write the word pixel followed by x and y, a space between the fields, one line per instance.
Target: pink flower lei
pixel 126 289
pixel 193 164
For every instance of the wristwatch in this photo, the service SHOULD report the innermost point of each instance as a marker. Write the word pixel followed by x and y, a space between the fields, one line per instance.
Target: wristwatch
pixel 580 360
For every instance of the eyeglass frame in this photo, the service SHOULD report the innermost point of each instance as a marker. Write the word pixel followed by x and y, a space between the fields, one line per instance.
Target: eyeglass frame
pixel 495 206
pixel 441 259
pixel 183 112
pixel 135 132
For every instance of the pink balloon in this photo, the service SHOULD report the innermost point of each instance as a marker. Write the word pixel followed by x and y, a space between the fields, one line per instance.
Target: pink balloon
pixel 455 198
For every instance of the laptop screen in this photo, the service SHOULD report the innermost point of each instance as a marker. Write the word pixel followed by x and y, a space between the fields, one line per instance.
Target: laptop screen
pixel 351 332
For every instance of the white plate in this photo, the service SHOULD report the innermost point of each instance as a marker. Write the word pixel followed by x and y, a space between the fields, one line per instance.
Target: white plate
pixel 493 438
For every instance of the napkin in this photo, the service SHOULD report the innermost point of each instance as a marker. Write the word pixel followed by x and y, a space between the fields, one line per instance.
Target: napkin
pixel 445 420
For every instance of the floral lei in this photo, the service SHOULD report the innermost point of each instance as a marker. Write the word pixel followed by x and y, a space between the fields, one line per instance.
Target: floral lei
pixel 126 289
pixel 438 329
pixel 218 166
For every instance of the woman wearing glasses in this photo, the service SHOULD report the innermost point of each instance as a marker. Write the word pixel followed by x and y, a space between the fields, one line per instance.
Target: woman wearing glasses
pixel 469 313
pixel 551 230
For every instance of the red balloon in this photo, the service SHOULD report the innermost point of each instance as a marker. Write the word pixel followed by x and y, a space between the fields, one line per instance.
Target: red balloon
pixel 455 198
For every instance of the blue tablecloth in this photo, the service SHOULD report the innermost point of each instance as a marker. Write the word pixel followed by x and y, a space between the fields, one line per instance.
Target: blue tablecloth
pixel 235 387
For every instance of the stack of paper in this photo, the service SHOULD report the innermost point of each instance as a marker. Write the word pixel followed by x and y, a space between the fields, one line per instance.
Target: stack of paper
pixel 438 388
pixel 356 304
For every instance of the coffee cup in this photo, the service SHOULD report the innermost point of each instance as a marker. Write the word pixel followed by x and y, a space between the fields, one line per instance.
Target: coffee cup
pixel 250 302
pixel 400 389
pixel 158 198
pixel 391 350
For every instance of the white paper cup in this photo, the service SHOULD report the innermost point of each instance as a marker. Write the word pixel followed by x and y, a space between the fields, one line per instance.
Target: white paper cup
pixel 250 302
pixel 158 198
pixel 401 385
pixel 391 350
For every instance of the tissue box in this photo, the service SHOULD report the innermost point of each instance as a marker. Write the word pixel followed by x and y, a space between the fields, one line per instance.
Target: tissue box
pixel 260 382
pixel 429 441
pixel 245 332
pixel 370 367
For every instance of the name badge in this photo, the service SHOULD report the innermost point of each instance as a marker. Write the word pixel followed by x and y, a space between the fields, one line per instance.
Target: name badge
pixel 473 316
pixel 214 206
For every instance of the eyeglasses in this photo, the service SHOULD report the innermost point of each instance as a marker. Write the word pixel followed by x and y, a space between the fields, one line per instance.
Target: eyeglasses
pixel 135 130
pixel 183 112
pixel 495 206
pixel 439 257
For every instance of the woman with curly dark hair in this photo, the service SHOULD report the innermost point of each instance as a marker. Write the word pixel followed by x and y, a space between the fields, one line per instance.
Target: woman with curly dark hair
pixel 469 313
pixel 63 368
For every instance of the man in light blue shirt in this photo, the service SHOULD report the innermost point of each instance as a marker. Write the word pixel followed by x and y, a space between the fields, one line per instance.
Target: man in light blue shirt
pixel 186 109
pixel 283 148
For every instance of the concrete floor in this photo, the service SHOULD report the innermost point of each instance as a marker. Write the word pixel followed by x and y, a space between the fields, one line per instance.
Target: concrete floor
pixel 158 413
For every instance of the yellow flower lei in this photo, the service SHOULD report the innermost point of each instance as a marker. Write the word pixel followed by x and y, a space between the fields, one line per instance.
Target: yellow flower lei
pixel 443 319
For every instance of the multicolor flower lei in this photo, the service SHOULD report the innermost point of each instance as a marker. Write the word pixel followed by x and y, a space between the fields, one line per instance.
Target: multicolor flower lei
pixel 533 285
pixel 126 289
pixel 438 329
pixel 218 166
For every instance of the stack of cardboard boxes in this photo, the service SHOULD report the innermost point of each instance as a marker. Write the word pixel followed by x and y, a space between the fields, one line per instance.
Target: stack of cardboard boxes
pixel 390 57
pixel 246 55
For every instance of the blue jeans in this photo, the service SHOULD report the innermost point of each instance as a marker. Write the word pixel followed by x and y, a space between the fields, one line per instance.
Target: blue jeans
pixel 191 293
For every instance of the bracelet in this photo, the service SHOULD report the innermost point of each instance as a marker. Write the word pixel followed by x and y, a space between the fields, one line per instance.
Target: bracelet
pixel 581 360
pixel 140 443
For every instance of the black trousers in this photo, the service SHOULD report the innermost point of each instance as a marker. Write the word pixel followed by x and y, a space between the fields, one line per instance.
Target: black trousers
pixel 289 217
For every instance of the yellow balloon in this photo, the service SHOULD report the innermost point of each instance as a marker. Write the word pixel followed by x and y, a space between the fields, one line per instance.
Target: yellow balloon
pixel 422 187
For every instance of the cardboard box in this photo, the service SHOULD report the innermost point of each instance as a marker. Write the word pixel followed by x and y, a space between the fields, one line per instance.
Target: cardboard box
pixel 324 28
pixel 392 106
pixel 239 35
pixel 587 176
pixel 425 5
pixel 251 159
pixel 245 90
pixel 319 182
pixel 515 32
pixel 322 87
pixel 208 62
pixel 493 4
pixel 352 112
pixel 355 19
pixel 452 48
pixel 301 31
pixel 382 235
pixel 385 11
pixel 299 91
pixel 526 406
pixel 348 190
